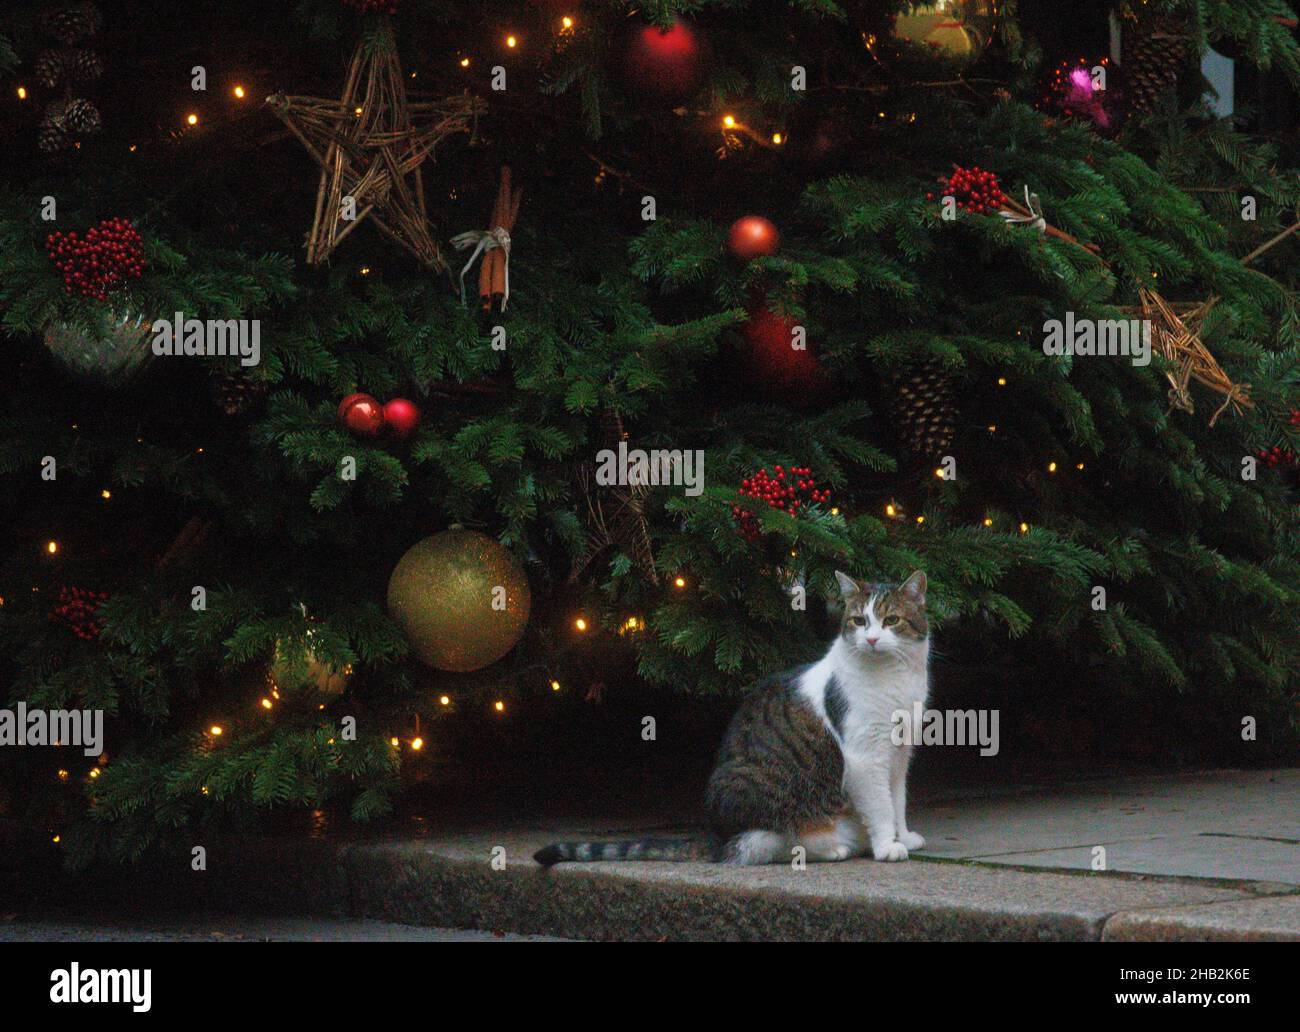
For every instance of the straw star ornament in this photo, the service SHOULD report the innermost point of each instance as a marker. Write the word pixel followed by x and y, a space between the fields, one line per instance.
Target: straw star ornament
pixel 371 144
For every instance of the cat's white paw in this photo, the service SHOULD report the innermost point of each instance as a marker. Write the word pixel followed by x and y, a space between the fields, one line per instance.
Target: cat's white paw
pixel 912 840
pixel 828 852
pixel 890 852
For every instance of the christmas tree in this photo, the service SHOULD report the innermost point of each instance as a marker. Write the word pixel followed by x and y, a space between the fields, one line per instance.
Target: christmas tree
pixel 370 362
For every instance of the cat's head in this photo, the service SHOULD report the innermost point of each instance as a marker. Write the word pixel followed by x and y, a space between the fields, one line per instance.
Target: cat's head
pixel 883 619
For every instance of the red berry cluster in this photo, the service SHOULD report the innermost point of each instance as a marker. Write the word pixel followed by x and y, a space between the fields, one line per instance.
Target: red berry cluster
pixel 76 611
pixel 975 190
pixel 790 490
pixel 1278 456
pixel 373 6
pixel 109 254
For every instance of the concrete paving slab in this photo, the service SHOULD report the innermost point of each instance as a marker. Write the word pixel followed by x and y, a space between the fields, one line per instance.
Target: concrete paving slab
pixel 1270 919
pixel 1200 856
pixel 1183 811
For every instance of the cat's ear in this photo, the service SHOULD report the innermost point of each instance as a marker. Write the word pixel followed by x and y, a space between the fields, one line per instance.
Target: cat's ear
pixel 848 586
pixel 914 587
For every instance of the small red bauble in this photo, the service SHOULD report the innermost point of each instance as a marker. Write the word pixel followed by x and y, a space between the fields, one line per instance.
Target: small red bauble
pixel 401 417
pixel 752 236
pixel 361 414
pixel 774 361
pixel 666 64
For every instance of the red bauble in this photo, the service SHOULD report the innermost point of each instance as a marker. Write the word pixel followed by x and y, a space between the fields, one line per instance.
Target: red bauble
pixel 666 64
pixel 401 417
pixel 774 362
pixel 361 414
pixel 752 236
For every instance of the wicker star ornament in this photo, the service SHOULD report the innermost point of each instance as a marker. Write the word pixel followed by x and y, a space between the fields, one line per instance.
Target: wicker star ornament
pixel 370 145
pixel 1176 334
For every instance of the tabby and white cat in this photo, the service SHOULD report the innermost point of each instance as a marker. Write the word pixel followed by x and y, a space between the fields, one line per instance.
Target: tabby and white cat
pixel 810 758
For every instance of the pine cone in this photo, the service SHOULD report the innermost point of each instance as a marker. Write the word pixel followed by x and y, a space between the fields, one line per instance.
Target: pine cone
pixel 72 22
pixel 49 68
pixel 1155 51
pixel 52 137
pixel 81 116
pixel 924 410
pixel 235 392
pixel 84 65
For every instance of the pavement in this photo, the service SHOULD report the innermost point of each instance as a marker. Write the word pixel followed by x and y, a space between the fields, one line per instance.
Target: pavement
pixel 1208 856
pixel 1240 825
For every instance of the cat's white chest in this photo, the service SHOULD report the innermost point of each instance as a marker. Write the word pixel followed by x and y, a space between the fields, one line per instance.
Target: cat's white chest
pixel 861 702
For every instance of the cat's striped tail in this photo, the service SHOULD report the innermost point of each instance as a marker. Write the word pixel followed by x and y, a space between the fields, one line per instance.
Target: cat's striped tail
pixel 677 850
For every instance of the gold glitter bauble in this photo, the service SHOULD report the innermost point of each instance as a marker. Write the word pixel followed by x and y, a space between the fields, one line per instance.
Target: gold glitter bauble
pixel 941 34
pixel 460 598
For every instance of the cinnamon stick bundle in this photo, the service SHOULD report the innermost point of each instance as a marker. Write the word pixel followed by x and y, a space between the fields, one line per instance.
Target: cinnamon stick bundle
pixel 492 271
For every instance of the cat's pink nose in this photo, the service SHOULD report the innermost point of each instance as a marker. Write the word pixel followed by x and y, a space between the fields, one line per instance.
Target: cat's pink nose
pixel 872 641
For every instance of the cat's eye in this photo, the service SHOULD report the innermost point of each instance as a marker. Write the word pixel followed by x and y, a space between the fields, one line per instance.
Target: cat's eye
pixel 858 621
pixel 889 621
